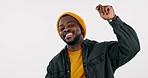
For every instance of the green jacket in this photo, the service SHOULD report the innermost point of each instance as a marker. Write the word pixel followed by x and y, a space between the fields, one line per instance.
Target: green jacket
pixel 100 60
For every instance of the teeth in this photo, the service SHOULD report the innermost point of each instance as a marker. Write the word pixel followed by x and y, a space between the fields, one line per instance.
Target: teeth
pixel 69 34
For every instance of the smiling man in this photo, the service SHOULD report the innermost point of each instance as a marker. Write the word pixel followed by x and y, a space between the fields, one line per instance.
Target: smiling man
pixel 88 58
pixel 71 31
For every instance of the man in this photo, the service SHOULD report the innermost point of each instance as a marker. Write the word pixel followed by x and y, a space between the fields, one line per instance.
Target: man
pixel 90 59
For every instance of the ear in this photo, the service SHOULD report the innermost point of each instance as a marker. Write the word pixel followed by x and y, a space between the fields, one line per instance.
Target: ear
pixel 82 32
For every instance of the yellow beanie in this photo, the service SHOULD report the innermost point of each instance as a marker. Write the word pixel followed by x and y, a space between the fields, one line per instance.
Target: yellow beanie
pixel 79 19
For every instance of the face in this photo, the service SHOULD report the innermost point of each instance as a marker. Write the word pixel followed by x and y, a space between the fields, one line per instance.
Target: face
pixel 70 30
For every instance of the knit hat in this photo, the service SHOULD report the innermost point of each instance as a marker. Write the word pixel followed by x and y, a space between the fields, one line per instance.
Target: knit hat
pixel 78 18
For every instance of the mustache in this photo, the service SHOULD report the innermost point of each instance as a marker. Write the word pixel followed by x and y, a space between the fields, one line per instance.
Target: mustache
pixel 68 31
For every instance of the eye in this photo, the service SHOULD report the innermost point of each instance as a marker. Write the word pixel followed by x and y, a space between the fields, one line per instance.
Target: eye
pixel 71 25
pixel 61 28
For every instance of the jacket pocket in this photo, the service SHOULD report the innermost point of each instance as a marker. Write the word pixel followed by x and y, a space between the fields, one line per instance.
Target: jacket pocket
pixel 97 60
pixel 96 66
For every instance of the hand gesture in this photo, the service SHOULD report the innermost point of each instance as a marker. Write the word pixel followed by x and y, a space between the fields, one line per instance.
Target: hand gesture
pixel 106 12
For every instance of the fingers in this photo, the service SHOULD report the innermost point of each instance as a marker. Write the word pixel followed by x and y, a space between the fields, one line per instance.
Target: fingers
pixel 107 9
pixel 98 8
pixel 103 9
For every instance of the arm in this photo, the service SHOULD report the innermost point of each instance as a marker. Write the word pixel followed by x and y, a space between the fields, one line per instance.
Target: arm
pixel 49 70
pixel 127 45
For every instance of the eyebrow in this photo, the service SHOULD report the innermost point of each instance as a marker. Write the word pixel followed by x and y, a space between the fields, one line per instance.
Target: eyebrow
pixel 67 23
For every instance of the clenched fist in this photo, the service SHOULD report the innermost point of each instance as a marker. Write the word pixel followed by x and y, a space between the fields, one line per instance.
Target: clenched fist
pixel 106 12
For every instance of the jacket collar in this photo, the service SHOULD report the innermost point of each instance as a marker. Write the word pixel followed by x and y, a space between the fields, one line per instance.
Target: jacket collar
pixel 86 42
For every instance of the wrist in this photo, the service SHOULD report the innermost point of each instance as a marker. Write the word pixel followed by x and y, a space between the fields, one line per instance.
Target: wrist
pixel 110 20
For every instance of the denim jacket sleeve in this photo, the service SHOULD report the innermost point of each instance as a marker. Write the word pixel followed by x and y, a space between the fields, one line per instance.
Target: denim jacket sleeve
pixel 49 70
pixel 127 45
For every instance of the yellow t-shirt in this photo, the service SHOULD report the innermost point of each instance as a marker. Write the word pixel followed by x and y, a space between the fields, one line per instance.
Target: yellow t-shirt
pixel 77 70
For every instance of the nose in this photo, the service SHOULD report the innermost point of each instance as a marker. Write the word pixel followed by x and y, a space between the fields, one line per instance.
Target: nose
pixel 66 29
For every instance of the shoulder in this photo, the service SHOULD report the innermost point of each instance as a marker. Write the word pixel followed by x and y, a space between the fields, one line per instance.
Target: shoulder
pixel 90 42
pixel 56 60
pixel 58 57
pixel 56 64
pixel 94 42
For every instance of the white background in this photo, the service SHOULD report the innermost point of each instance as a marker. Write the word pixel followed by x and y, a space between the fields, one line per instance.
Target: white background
pixel 29 39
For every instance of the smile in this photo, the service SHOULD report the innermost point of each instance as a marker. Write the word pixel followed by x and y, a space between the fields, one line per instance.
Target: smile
pixel 68 35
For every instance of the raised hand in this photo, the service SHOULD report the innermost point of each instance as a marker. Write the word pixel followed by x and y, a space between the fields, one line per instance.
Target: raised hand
pixel 106 12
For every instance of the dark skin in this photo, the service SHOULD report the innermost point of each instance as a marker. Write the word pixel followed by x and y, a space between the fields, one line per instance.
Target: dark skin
pixel 106 12
pixel 70 30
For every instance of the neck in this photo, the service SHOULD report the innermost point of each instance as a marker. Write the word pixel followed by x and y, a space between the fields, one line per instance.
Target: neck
pixel 76 46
